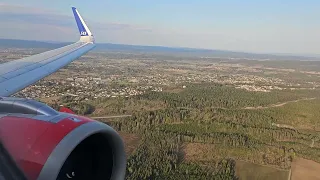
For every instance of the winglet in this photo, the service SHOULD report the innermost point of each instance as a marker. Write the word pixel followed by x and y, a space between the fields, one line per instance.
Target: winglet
pixel 85 33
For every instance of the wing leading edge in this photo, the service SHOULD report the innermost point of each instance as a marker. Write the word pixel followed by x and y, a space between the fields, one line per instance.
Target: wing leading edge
pixel 18 74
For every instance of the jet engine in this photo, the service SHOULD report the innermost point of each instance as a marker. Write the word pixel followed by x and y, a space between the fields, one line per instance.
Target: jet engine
pixel 49 145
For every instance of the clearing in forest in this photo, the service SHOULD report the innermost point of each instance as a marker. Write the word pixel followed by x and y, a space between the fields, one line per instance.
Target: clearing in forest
pixel 251 171
pixel 131 141
pixel 305 169
pixel 199 152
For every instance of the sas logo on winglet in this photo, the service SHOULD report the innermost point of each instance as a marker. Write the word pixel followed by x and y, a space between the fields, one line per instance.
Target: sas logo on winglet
pixel 74 119
pixel 83 33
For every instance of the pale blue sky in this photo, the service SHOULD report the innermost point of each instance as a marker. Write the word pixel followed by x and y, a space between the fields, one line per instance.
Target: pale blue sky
pixel 273 26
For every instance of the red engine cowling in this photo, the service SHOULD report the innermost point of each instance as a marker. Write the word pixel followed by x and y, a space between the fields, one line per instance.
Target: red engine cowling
pixel 60 145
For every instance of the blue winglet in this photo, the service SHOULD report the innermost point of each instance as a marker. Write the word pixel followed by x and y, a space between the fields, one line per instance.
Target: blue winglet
pixel 83 28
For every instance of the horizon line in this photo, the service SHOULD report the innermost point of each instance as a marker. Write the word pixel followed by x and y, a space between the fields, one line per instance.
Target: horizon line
pixel 307 55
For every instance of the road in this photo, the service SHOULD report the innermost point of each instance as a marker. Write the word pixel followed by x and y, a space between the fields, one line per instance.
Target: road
pixel 261 107
pixel 280 104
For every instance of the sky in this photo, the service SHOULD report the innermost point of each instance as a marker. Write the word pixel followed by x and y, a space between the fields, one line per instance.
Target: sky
pixel 264 26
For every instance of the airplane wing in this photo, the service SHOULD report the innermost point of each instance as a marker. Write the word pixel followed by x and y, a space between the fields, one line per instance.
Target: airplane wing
pixel 18 74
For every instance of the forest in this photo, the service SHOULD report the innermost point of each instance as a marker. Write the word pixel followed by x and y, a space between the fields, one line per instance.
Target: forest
pixel 233 125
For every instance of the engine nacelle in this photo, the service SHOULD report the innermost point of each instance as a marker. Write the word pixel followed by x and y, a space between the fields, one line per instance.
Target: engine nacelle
pixel 60 145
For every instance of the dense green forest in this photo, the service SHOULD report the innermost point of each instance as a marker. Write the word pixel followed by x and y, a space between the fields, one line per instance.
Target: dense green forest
pixel 240 125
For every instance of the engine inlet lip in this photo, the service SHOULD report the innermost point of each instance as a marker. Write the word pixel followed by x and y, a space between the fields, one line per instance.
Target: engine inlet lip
pixel 61 152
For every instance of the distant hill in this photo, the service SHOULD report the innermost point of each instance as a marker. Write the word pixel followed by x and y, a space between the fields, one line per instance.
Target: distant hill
pixel 205 53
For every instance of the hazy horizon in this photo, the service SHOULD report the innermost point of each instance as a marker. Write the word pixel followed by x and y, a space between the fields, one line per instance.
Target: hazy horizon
pixel 267 27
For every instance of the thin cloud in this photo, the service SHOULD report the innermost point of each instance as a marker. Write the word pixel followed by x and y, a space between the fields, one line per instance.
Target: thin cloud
pixel 18 9
pixel 52 23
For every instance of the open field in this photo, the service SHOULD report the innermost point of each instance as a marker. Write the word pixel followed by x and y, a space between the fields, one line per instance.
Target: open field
pixel 250 171
pixel 305 169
